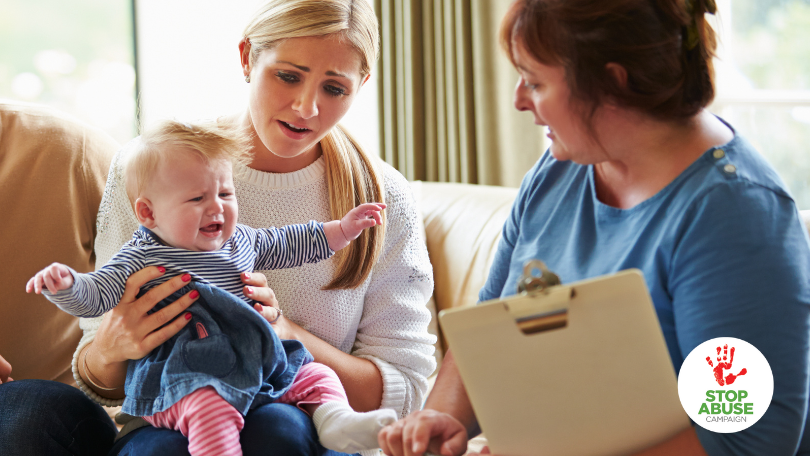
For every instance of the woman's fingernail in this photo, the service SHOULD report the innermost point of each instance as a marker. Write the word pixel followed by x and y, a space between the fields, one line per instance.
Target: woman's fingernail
pixel 194 294
pixel 161 269
pixel 250 290
pixel 188 316
pixel 247 275
pixel 187 277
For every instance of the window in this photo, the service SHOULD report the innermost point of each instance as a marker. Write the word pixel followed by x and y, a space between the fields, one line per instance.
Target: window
pixel 75 56
pixel 763 82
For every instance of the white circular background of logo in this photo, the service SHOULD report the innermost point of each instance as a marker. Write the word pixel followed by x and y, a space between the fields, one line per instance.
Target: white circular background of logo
pixel 697 376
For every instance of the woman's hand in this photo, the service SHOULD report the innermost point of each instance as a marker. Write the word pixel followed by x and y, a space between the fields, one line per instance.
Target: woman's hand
pixel 128 332
pixel 256 288
pixel 426 430
pixel 5 371
pixel 360 377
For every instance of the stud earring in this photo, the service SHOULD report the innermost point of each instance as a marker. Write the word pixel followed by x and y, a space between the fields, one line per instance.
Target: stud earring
pixel 247 78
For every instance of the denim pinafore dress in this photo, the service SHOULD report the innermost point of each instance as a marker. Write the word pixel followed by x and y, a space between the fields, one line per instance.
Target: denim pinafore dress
pixel 227 345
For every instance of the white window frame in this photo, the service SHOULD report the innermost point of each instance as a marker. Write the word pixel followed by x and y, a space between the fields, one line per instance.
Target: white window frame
pixel 755 98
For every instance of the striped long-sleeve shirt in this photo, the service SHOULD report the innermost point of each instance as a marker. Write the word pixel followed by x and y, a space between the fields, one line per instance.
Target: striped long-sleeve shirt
pixel 95 293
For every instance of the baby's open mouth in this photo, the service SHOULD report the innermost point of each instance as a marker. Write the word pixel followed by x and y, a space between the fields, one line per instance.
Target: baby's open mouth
pixel 211 228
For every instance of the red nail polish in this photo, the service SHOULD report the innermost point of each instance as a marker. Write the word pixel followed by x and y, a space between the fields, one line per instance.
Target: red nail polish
pixel 194 294
pixel 247 275
pixel 186 277
pixel 250 290
pixel 161 269
pixel 188 316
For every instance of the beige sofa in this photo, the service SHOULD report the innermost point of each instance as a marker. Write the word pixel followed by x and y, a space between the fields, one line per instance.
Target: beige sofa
pixel 52 174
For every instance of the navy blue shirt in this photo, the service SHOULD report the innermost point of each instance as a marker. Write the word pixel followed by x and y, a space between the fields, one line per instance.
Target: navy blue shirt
pixel 96 293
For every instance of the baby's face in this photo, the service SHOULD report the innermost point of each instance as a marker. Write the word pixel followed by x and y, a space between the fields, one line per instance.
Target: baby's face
pixel 193 202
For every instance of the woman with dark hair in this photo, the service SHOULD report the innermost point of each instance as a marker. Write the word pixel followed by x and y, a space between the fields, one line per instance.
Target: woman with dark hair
pixel 641 175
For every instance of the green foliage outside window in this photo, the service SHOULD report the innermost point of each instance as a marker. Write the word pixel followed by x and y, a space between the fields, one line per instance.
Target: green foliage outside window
pixel 74 55
pixel 771 51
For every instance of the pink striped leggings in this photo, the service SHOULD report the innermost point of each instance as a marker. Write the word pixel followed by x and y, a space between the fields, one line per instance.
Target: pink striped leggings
pixel 212 425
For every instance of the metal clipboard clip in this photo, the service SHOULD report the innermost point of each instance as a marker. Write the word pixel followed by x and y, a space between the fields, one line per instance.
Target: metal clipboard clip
pixel 553 313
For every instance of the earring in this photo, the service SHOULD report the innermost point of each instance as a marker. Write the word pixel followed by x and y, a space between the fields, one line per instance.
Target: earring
pixel 247 78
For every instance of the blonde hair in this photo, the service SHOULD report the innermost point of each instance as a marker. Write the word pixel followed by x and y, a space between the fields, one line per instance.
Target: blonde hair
pixel 350 173
pixel 208 140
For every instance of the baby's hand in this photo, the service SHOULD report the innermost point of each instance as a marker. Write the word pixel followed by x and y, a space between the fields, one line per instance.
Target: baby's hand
pixel 55 277
pixel 361 217
pixel 340 232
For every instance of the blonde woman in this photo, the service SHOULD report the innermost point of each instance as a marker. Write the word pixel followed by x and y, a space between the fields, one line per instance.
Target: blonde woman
pixel 362 313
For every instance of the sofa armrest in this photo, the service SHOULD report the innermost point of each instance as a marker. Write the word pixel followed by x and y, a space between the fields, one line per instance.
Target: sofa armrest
pixel 52 174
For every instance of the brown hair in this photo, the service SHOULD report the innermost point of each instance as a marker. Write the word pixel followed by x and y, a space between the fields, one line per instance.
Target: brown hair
pixel 352 175
pixel 209 140
pixel 666 47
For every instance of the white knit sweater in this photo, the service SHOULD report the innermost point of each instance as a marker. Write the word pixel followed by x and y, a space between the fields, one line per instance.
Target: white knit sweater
pixel 384 320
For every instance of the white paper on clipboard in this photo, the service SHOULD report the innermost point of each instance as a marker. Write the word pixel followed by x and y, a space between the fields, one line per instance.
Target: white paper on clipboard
pixel 594 377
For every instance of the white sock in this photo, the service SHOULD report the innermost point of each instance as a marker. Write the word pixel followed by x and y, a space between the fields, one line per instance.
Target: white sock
pixel 342 429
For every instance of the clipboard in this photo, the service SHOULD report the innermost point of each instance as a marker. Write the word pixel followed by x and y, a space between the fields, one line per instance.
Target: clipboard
pixel 579 369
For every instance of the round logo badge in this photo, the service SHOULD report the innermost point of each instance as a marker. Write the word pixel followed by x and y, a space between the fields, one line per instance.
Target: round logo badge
pixel 725 385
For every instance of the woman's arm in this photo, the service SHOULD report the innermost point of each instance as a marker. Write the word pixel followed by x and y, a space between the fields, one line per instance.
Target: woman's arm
pixel 392 353
pixel 393 329
pixel 126 332
pixel 450 396
pixel 740 270
pixel 115 224
pixel 360 377
pixel 443 427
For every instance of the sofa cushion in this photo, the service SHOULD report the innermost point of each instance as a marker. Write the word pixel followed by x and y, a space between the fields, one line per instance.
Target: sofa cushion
pixel 463 225
pixel 52 174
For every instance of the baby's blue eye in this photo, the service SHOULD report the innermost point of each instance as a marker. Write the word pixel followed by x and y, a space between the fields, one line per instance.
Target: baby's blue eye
pixel 199 198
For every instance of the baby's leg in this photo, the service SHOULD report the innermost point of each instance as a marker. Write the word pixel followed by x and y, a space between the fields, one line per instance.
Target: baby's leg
pixel 318 391
pixel 211 424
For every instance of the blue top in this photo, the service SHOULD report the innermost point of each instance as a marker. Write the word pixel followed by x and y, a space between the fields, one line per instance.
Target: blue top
pixel 723 251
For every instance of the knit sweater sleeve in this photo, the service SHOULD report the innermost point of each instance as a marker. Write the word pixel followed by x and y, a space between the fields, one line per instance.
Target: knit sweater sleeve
pixel 393 329
pixel 115 224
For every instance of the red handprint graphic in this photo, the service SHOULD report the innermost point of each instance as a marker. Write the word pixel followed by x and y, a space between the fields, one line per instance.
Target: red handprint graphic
pixel 718 370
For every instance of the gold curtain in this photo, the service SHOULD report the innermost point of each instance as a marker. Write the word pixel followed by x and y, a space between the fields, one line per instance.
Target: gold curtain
pixel 445 93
